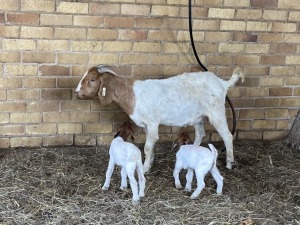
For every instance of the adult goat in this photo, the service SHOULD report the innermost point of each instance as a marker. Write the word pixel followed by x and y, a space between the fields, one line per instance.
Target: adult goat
pixel 182 100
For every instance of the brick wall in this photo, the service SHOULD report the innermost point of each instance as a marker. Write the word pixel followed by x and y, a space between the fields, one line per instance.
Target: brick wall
pixel 47 45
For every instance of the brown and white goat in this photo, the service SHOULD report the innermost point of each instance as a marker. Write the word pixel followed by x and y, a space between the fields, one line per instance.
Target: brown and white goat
pixel 183 100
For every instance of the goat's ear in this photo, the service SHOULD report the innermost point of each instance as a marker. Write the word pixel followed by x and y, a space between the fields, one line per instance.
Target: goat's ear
pixel 106 91
pixel 130 130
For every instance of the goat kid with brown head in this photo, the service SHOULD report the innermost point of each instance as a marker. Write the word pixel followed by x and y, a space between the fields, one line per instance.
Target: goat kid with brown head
pixel 129 157
pixel 183 138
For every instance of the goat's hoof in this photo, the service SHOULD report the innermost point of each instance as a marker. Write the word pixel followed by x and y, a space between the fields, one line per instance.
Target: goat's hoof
pixel 123 188
pixel 104 188
pixel 229 165
pixel 178 186
pixel 193 197
pixel 142 195
pixel 135 201
pixel 188 189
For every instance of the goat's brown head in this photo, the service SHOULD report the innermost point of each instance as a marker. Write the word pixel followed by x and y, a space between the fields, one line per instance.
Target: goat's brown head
pixel 125 130
pixel 183 138
pixel 96 81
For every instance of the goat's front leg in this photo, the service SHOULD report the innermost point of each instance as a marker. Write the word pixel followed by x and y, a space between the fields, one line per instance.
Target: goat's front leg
pixel 151 138
pixel 199 133
pixel 109 171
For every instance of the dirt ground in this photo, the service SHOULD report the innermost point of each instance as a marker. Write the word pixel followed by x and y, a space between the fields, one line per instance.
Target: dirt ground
pixel 62 185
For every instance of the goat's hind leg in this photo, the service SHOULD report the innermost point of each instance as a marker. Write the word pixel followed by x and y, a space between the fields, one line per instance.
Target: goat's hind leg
pixel 222 127
pixel 200 183
pixel 109 171
pixel 176 172
pixel 130 169
pixel 199 133
pixel 189 179
pixel 218 178
pixel 142 179
pixel 123 179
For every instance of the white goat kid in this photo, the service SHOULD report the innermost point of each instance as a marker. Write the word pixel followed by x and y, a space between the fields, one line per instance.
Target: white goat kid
pixel 183 100
pixel 200 159
pixel 128 156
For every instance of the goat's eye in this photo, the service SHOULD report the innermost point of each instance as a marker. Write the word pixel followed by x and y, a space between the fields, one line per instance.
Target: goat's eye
pixel 93 79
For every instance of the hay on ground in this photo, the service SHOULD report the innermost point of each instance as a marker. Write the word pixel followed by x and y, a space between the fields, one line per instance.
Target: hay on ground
pixel 62 185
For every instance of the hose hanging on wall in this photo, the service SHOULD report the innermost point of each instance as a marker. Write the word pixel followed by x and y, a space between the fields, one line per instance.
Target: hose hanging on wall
pixel 205 69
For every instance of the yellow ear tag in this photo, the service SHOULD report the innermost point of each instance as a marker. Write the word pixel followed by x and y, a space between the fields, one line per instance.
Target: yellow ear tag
pixel 104 91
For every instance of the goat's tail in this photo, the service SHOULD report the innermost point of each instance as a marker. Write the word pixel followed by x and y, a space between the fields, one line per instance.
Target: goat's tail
pixel 215 152
pixel 236 75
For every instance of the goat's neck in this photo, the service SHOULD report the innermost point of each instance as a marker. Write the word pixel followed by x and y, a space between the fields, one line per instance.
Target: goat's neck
pixel 124 95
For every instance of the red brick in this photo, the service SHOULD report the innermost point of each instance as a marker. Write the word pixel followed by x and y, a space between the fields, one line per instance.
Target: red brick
pixel 270 38
pixel 67 82
pixel 100 8
pixel 281 91
pixel 267 102
pixel 270 59
pixel 149 22
pixel 54 70
pixel 263 3
pixel 119 22
pixel 133 35
pixel 56 94
pixel 244 37
pixel 102 34
pixel 2 18
pixel 23 18
pixel 283 48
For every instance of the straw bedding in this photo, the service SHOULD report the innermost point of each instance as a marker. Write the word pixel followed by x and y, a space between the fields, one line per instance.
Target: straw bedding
pixel 62 185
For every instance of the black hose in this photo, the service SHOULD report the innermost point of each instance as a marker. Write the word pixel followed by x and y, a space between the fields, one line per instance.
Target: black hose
pixel 205 69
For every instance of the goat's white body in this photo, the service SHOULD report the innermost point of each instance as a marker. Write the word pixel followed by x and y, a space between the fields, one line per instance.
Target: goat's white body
pixel 159 101
pixel 128 156
pixel 183 100
pixel 198 159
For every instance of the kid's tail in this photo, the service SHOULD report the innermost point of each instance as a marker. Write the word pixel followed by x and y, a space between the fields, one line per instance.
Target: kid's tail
pixel 214 151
